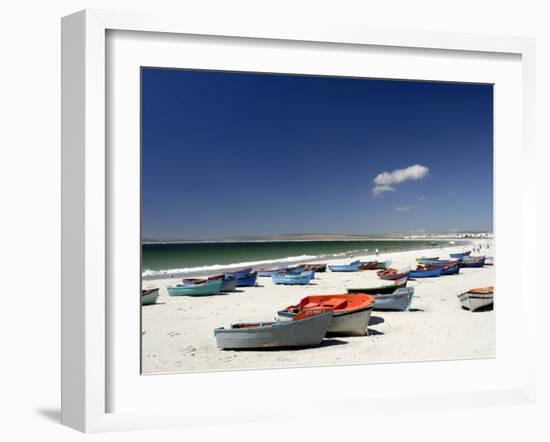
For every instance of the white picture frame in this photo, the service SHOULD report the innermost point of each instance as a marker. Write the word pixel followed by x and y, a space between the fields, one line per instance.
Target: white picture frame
pixel 86 204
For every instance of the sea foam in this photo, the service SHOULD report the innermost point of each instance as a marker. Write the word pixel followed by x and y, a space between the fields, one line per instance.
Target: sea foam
pixel 219 267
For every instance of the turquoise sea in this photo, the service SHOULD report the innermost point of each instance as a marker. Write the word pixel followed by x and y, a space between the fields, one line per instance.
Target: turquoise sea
pixel 205 257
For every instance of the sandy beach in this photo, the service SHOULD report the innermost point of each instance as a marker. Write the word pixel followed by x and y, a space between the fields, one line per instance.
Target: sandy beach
pixel 178 332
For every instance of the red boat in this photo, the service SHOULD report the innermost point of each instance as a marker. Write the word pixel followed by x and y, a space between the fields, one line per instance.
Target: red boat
pixel 369 265
pixel 392 274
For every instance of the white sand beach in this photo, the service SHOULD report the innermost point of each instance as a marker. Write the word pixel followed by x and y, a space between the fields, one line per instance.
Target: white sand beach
pixel 178 332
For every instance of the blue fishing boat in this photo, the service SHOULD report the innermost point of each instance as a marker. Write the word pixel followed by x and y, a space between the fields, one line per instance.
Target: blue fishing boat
pixel 295 270
pixel 473 261
pixel 460 255
pixel 268 273
pixel 247 279
pixel 425 273
pixel 440 262
pixel 288 279
pixel 239 273
pixel 351 267
pixel 189 288
pixel 450 270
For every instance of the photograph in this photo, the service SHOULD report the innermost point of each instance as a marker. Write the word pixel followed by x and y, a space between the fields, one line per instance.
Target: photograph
pixel 292 220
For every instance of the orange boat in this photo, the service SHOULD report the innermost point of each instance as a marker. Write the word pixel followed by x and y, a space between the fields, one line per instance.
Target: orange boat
pixel 351 312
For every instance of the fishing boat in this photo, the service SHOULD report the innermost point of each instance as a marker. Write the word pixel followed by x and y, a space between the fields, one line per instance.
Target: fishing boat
pixel 149 296
pixel 489 261
pixel 424 272
pixel 296 270
pixel 302 278
pixel 440 262
pixel 477 298
pixel 318 268
pixel 368 265
pixel 228 284
pixel 239 273
pixel 306 329
pixel 351 312
pixel 473 261
pixel 393 274
pixel 268 273
pixel 399 300
pixel 460 255
pixel 247 280
pixel 383 289
pixel 450 270
pixel 189 288
pixel 351 267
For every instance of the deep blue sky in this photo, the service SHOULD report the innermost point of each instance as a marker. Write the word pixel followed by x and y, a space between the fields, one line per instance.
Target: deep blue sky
pixel 229 154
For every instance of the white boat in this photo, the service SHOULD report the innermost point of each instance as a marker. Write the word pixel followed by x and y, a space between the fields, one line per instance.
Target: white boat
pixel 476 299
pixel 351 311
pixel 399 300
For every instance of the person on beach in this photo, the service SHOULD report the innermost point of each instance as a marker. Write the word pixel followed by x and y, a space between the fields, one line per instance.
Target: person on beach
pixel 377 251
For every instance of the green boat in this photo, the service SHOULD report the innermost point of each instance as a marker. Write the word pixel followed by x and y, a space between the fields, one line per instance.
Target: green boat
pixel 149 297
pixel 209 287
pixel 381 290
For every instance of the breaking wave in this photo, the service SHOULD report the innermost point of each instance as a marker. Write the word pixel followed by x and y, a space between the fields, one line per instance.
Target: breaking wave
pixel 218 267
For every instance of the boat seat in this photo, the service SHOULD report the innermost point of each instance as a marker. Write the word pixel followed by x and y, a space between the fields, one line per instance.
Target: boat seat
pixel 335 303
pixel 311 305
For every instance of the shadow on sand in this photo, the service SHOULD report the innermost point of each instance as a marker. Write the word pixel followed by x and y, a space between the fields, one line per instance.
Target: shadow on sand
pixel 327 342
pixel 375 320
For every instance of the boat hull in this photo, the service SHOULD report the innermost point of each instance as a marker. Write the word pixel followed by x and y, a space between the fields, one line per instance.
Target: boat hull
pixel 318 268
pixel 247 280
pixel 306 332
pixel 270 273
pixel 434 273
pixel 150 298
pixel 475 302
pixel 352 323
pixel 385 289
pixel 348 268
pixel 289 279
pixel 210 288
pixel 474 262
pixel 393 276
pixel 229 285
pixel 459 255
pixel 452 270
pixel 400 300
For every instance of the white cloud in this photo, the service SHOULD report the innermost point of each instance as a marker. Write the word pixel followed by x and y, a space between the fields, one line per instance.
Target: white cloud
pixel 404 208
pixel 386 181
pixel 422 198
pixel 377 190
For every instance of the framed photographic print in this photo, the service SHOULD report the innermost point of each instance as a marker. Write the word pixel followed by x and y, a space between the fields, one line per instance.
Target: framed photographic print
pixel 292 206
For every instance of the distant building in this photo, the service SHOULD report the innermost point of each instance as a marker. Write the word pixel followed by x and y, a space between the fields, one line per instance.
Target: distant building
pixel 454 235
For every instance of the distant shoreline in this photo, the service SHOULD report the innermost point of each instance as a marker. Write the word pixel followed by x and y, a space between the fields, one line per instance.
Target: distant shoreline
pixel 251 241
